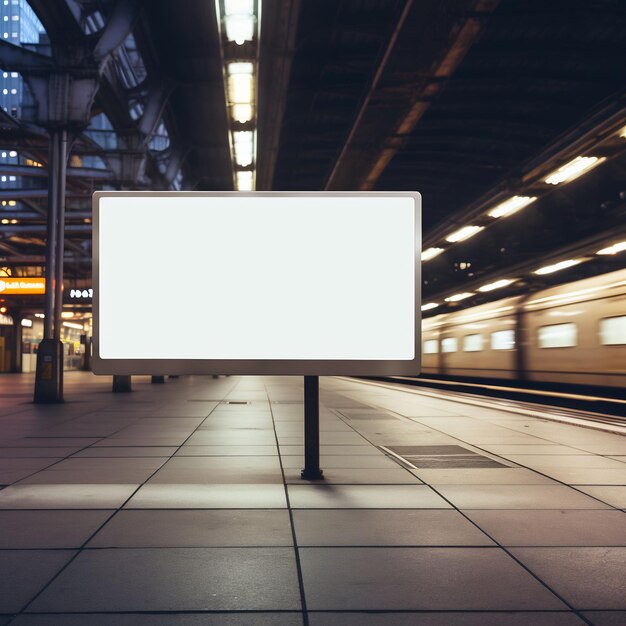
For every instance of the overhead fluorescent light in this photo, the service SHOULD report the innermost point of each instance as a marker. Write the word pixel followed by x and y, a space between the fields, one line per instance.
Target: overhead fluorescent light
pixel 244 180
pixel 512 205
pixel 73 325
pixel 429 306
pixel 243 141
pixel 239 20
pixel 614 249
pixel 464 233
pixel 572 170
pixel 498 284
pixel 459 296
pixel 561 265
pixel 431 253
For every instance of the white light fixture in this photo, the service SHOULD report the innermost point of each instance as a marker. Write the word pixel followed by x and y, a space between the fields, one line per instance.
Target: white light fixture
pixel 27 323
pixel 239 20
pixel 622 133
pixel 561 265
pixel 244 180
pixel 431 253
pixel 429 306
pixel 512 205
pixel 498 284
pixel 40 315
pixel 67 315
pixel 73 325
pixel 243 141
pixel 572 170
pixel 464 233
pixel 614 249
pixel 457 297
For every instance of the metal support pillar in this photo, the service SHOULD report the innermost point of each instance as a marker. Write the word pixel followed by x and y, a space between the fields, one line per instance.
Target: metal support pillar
pixel 121 384
pixel 311 469
pixel 158 380
pixel 16 344
pixel 49 375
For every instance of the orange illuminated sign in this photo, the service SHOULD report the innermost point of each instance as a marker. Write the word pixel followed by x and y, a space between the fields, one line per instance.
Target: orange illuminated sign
pixel 22 286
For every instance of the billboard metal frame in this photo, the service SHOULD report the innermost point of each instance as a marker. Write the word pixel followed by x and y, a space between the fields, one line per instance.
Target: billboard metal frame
pixel 284 367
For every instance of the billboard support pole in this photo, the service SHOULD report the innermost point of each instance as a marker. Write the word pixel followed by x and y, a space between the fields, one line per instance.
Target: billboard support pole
pixel 311 469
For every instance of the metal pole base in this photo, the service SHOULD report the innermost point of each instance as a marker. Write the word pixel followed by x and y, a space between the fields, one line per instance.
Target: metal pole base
pixel 311 469
pixel 121 384
pixel 49 374
pixel 158 380
pixel 313 474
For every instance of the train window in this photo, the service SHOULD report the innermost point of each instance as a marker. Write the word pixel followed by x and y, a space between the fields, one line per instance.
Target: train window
pixel 431 346
pixel 472 343
pixel 558 335
pixel 503 340
pixel 448 344
pixel 613 331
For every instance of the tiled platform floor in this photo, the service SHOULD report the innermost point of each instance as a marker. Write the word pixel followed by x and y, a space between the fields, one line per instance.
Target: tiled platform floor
pixel 170 506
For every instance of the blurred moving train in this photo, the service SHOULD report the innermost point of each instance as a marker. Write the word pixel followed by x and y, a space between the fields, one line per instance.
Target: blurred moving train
pixel 574 333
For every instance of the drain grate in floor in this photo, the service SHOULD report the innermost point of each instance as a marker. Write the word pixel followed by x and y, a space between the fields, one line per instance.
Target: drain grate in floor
pixel 235 402
pixel 443 457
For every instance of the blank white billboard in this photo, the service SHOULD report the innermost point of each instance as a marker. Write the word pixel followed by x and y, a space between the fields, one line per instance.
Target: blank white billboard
pixel 232 283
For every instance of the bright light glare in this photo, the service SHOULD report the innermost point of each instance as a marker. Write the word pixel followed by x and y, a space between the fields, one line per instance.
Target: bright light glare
pixel 73 325
pixel 239 20
pixel 429 306
pixel 579 166
pixel 431 253
pixel 512 205
pixel 459 296
pixel 242 112
pixel 244 147
pixel 464 233
pixel 622 133
pixel 244 181
pixel 561 265
pixel 614 249
pixel 27 323
pixel 240 88
pixel 240 67
pixel 67 315
pixel 498 284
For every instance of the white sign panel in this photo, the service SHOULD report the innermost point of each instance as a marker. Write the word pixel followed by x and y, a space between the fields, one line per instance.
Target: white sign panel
pixel 256 283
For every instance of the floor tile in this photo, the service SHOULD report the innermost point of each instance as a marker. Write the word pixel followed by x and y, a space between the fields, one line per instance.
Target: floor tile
pixel 567 527
pixel 248 496
pixel 23 573
pixel 419 578
pixel 49 529
pixel 175 579
pixel 141 529
pixel 613 495
pixel 364 497
pixel 227 451
pixel 475 618
pixel 60 496
pixel 587 578
pixel 173 619
pixel 520 497
pixel 343 462
pixel 357 477
pixel 481 476
pixel 606 618
pixel 369 527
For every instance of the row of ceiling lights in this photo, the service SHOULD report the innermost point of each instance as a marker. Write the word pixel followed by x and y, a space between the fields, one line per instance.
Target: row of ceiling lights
pixel 547 269
pixel 564 174
pixel 240 21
